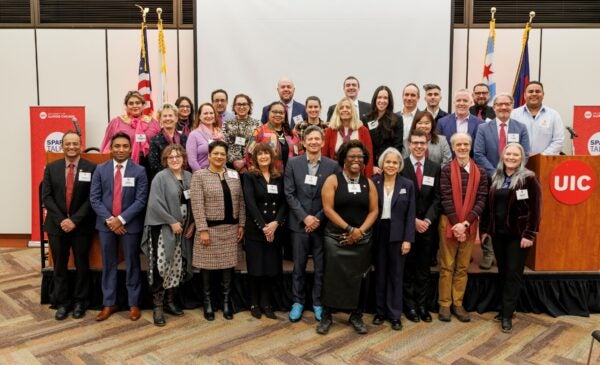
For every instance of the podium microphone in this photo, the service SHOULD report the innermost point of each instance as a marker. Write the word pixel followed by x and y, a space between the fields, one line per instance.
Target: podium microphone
pixel 572 132
pixel 76 125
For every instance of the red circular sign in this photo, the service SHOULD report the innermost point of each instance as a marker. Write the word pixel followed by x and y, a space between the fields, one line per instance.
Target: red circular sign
pixel 572 182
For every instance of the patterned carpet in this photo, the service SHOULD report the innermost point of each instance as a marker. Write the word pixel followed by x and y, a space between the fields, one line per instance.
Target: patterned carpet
pixel 30 335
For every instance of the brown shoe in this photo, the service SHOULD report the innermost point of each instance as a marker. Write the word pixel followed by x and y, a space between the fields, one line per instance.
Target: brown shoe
pixel 134 313
pixel 106 312
pixel 461 313
pixel 444 314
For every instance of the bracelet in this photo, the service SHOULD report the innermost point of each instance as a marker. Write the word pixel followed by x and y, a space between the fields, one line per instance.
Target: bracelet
pixel 348 228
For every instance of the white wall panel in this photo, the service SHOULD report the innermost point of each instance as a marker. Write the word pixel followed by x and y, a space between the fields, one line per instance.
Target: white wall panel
pixel 186 63
pixel 72 71
pixel 459 63
pixel 17 94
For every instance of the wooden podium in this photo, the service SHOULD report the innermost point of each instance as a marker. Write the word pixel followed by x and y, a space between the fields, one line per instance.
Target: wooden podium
pixel 569 238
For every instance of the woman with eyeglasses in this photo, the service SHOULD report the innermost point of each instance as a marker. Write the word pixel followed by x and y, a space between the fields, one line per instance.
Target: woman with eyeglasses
pixel 278 134
pixel 343 127
pixel 186 114
pixel 205 131
pixel 350 204
pixel 139 127
pixel 238 131
pixel 438 149
pixel 168 135
pixel 169 228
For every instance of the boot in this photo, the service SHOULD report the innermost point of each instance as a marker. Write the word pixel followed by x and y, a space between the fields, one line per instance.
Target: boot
pixel 170 305
pixel 325 323
pixel 157 314
pixel 209 313
pixel 226 277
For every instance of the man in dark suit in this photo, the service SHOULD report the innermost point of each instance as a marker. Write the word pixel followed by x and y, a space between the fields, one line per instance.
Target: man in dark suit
pixel 433 97
pixel 303 180
pixel 481 98
pixel 425 175
pixel 460 120
pixel 351 87
pixel 69 224
pixel 295 111
pixel 118 196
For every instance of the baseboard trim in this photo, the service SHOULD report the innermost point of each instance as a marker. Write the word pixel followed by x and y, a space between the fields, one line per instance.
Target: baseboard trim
pixel 15 240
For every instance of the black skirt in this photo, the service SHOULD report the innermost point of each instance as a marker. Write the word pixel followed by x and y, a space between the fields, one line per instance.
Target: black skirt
pixel 263 258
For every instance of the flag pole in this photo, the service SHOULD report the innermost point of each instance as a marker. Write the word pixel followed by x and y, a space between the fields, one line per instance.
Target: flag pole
pixel 522 76
pixel 144 81
pixel 162 51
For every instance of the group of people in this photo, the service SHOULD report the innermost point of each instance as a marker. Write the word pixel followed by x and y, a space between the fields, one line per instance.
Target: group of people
pixel 368 188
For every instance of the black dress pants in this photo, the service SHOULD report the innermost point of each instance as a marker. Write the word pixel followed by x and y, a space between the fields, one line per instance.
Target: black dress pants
pixel 417 271
pixel 60 245
pixel 511 263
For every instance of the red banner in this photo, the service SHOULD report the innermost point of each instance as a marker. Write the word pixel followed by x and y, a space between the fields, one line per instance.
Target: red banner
pixel 586 122
pixel 47 126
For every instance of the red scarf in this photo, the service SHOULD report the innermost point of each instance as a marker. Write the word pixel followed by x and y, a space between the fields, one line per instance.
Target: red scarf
pixel 463 208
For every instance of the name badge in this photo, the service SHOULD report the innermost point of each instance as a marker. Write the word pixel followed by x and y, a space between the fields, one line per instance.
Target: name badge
pixel 353 188
pixel 513 137
pixel 488 119
pixel 85 176
pixel 186 194
pixel 140 137
pixel 296 150
pixel 373 124
pixel 240 141
pixel 428 180
pixel 310 180
pixel 233 174
pixel 272 189
pixel 402 191
pixel 298 119
pixel 129 182
pixel 522 194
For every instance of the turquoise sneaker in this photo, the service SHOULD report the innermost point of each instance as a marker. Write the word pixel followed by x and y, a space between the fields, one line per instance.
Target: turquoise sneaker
pixel 318 312
pixel 296 312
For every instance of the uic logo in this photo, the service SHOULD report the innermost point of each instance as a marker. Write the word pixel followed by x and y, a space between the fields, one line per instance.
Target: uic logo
pixel 572 182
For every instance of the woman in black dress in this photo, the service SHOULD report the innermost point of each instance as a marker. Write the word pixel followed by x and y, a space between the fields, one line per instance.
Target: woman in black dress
pixel 350 203
pixel 265 204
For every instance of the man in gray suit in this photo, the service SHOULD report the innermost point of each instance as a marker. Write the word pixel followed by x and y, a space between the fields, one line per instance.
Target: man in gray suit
pixel 490 140
pixel 304 178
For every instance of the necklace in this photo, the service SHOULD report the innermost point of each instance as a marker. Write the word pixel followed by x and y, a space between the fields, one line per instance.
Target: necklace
pixel 350 180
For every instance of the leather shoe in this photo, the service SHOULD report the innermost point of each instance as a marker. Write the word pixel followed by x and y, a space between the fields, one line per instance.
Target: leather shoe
pixel 268 311
pixel 396 324
pixel 255 312
pixel 378 319
pixel 506 325
pixel 79 311
pixel 412 315
pixel 106 312
pixel 324 324
pixel 356 321
pixel 134 313
pixel 461 313
pixel 498 317
pixel 61 313
pixel 486 263
pixel 444 314
pixel 424 314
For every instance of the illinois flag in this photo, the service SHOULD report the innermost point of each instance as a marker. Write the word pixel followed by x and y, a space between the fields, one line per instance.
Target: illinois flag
pixel 488 73
pixel 522 77
pixel 144 82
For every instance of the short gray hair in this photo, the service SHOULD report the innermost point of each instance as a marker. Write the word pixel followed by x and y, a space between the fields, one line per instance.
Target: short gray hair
pixel 393 151
pixel 512 100
pixel 460 134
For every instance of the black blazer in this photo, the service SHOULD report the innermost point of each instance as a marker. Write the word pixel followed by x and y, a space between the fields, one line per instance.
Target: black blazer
pixel 402 210
pixel 263 207
pixel 428 197
pixel 157 145
pixel 54 198
pixel 363 110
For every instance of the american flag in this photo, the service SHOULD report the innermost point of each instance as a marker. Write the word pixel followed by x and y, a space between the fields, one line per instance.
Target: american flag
pixel 144 82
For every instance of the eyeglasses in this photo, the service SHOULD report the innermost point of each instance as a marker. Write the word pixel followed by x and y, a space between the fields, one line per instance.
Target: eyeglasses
pixel 278 112
pixel 503 104
pixel 241 104
pixel 174 158
pixel 355 157
pixel 481 93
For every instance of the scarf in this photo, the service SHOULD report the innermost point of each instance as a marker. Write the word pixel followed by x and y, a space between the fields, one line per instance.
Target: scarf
pixel 175 139
pixel 139 147
pixel 463 208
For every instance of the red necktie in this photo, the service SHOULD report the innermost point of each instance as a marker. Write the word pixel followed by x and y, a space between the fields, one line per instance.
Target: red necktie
pixel 70 182
pixel 117 195
pixel 502 138
pixel 419 174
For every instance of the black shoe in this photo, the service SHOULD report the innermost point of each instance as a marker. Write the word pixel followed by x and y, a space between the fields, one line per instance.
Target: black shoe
pixel 396 324
pixel 158 317
pixel 171 306
pixel 79 311
pixel 412 315
pixel 356 321
pixel 506 325
pixel 209 314
pixel 255 311
pixel 61 313
pixel 324 324
pixel 424 314
pixel 498 317
pixel 268 311
pixel 378 319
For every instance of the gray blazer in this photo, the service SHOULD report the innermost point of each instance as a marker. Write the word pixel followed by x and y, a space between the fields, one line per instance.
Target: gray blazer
pixel 304 199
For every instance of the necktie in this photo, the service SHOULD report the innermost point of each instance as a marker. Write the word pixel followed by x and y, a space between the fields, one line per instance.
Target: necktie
pixel 419 174
pixel 287 112
pixel 70 182
pixel 117 195
pixel 479 113
pixel 502 138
